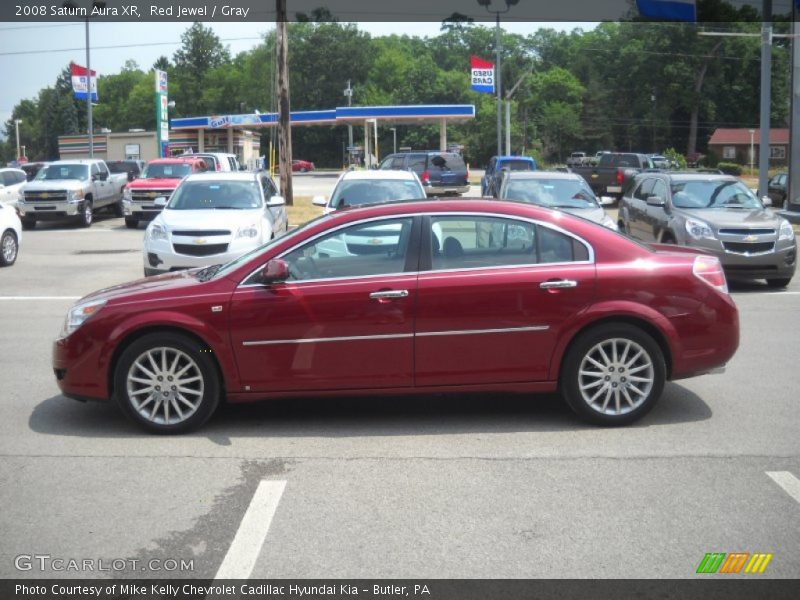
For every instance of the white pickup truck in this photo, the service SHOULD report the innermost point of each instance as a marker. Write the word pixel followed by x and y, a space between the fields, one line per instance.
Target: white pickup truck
pixel 71 189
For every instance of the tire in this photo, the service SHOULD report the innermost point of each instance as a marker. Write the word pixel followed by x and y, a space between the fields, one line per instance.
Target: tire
pixel 303 170
pixel 131 223
pixel 182 412
pixel 778 282
pixel 27 223
pixel 117 208
pixel 9 248
pixel 667 239
pixel 86 215
pixel 587 387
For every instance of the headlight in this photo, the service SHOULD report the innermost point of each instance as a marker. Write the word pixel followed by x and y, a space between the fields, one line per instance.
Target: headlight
pixel 609 222
pixel 157 232
pixel 126 194
pixel 79 314
pixel 250 231
pixel 786 231
pixel 75 196
pixel 698 229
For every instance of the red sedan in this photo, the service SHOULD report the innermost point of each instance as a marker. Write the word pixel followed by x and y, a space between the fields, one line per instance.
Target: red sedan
pixel 302 166
pixel 413 297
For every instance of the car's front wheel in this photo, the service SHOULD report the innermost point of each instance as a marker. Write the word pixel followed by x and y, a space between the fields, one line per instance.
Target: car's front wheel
pixel 86 215
pixel 8 248
pixel 613 374
pixel 167 383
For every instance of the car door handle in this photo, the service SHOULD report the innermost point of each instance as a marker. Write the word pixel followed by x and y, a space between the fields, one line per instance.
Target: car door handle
pixel 389 294
pixel 556 284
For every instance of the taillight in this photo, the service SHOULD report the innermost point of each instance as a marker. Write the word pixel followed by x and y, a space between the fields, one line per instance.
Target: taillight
pixel 620 176
pixel 425 177
pixel 709 270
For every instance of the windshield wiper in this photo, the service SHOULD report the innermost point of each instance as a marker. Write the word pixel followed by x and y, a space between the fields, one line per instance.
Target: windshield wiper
pixel 208 272
pixel 228 207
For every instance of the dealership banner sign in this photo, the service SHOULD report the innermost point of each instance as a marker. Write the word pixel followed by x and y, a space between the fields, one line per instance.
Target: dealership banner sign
pixel 80 84
pixel 482 75
pixel 162 111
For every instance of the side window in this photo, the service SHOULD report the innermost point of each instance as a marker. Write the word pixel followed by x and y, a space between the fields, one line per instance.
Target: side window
pixel 470 242
pixel 659 189
pixel 644 190
pixel 21 177
pixel 95 170
pixel 5 178
pixel 416 162
pixel 268 187
pixel 397 162
pixel 372 248
pixel 555 247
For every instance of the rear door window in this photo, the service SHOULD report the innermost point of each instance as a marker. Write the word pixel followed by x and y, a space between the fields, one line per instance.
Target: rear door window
pixel 446 162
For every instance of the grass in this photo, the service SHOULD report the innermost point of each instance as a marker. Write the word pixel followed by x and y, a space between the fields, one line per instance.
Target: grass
pixel 302 211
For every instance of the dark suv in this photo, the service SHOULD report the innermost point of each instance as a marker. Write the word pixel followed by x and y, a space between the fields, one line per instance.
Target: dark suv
pixel 441 173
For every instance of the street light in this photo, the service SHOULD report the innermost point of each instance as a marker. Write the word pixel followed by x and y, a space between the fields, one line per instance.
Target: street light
pixel 394 139
pixel 16 126
pixel 752 150
pixel 498 48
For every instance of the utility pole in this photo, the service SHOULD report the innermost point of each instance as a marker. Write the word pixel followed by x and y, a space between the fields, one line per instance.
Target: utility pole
pixel 349 93
pixel 793 186
pixel 499 77
pixel 284 125
pixel 766 97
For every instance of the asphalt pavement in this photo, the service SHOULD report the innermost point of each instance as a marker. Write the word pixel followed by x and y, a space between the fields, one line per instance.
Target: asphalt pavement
pixel 440 486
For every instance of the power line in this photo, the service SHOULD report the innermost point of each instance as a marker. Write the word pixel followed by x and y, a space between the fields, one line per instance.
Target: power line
pixel 56 50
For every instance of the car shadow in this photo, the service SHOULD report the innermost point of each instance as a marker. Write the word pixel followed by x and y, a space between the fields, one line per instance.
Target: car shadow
pixel 366 417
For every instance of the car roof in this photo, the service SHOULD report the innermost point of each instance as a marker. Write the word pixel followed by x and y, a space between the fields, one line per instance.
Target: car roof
pixel 175 160
pixel 513 157
pixel 689 176
pixel 383 174
pixel 76 161
pixel 543 175
pixel 223 176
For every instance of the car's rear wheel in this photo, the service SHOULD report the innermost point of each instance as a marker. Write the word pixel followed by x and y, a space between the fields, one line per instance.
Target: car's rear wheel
pixel 779 282
pixel 118 208
pixel 613 374
pixel 8 248
pixel 167 383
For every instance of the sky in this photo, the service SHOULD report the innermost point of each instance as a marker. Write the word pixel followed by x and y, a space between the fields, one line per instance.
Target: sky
pixel 33 54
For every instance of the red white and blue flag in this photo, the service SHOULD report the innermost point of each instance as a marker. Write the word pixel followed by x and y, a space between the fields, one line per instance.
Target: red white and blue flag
pixel 668 10
pixel 79 82
pixel 482 75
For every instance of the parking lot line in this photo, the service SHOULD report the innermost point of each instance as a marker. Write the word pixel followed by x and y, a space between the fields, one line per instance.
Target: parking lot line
pixel 789 483
pixel 246 545
pixel 40 297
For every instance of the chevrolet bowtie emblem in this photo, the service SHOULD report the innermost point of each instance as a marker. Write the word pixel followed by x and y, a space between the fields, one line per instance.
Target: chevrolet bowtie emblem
pixel 45 195
pixel 199 240
pixel 751 238
pixel 152 195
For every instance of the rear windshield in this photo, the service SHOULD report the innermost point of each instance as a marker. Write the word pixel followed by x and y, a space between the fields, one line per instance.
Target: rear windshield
pixel 620 160
pixel 358 193
pixel 167 171
pixel 517 165
pixel 446 162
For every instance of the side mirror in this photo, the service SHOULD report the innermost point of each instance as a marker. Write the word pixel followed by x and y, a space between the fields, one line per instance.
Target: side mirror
pixel 131 176
pixel 276 201
pixel 655 201
pixel 275 271
pixel 319 201
pixel 161 201
pixel 766 201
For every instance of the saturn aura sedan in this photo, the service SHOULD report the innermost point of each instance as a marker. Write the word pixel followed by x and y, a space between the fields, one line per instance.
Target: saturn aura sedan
pixel 473 295
pixel 213 218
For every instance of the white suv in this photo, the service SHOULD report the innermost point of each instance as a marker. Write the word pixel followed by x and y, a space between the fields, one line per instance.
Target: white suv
pixel 11 182
pixel 359 188
pixel 10 235
pixel 213 218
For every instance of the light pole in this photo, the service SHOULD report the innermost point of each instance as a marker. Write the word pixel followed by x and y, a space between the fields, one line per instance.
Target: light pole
pixel 16 126
pixel 348 92
pixel 394 140
pixel 752 150
pixel 498 49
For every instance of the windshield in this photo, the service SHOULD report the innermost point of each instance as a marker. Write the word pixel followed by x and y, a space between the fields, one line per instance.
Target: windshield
pixel 361 192
pixel 216 194
pixel 713 194
pixel 52 172
pixel 121 167
pixel 222 271
pixel 167 171
pixel 551 193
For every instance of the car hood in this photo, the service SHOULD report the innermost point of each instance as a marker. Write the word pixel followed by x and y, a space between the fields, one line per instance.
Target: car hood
pixel 50 184
pixel 208 219
pixel 179 281
pixel 592 214
pixel 735 217
pixel 155 182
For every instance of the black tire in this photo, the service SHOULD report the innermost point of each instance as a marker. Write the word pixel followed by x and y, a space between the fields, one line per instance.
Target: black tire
pixel 778 282
pixel 117 208
pixel 303 170
pixel 131 223
pixel 616 409
pixel 28 223
pixel 667 239
pixel 188 351
pixel 86 216
pixel 9 248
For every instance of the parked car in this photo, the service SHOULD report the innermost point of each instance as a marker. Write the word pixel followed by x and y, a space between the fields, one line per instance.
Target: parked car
pixel 358 188
pixel 132 168
pixel 613 172
pixel 218 161
pixel 158 180
pixel 213 218
pixel 498 166
pixel 11 183
pixel 302 166
pixel 10 235
pixel 714 213
pixel 777 191
pixel 441 173
pixel 554 303
pixel 660 162
pixel 32 168
pixel 71 189
pixel 577 159
pixel 560 191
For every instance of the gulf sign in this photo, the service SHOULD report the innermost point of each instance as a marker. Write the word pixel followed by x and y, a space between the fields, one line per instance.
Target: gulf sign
pixel 482 75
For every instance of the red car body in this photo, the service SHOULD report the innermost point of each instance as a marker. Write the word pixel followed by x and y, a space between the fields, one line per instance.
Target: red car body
pixel 302 165
pixel 332 337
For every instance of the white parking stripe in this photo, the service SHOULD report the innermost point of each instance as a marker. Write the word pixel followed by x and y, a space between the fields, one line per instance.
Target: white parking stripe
pixel 789 483
pixel 40 297
pixel 246 545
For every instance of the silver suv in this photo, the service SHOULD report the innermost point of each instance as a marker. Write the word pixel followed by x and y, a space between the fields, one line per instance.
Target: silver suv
pixel 715 213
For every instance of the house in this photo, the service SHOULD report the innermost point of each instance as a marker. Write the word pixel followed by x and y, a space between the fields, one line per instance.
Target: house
pixel 733 145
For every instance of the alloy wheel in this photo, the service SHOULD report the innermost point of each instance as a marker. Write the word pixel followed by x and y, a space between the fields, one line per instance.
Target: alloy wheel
pixel 9 248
